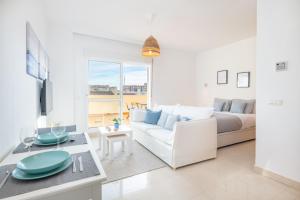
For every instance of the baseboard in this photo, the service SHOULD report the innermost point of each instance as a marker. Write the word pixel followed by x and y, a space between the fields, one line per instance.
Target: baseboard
pixel 277 177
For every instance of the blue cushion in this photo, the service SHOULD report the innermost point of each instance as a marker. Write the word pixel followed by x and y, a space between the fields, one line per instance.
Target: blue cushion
pixel 162 119
pixel 238 106
pixel 152 117
pixel 171 120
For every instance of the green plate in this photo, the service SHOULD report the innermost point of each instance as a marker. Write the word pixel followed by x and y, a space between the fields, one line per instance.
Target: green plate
pixel 50 137
pixel 43 162
pixel 20 175
pixel 37 142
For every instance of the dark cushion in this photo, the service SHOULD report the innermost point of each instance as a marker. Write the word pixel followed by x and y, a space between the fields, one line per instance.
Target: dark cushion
pixel 227 105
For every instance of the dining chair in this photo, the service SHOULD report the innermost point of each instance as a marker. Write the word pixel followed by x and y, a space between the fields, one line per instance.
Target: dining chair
pixel 71 128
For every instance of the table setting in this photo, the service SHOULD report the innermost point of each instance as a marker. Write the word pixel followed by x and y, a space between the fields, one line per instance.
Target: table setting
pixel 49 138
pixel 46 168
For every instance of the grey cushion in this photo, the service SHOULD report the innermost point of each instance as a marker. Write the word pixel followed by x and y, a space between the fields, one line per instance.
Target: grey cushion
pixel 171 120
pixel 238 106
pixel 227 105
pixel 250 106
pixel 162 119
pixel 219 104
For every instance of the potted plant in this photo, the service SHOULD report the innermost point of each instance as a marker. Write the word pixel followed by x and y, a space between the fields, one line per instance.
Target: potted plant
pixel 117 122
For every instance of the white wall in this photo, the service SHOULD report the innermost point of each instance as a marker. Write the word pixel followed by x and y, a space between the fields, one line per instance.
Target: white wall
pixel 62 69
pixel 19 92
pixel 278 130
pixel 235 57
pixel 173 80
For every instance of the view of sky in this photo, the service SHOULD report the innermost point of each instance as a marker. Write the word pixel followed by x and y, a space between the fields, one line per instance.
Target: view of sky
pixel 103 73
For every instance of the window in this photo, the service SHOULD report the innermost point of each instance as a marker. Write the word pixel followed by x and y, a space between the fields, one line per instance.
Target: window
pixel 114 89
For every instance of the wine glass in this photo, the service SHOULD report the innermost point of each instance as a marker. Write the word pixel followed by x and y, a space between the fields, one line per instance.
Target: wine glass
pixel 27 137
pixel 58 129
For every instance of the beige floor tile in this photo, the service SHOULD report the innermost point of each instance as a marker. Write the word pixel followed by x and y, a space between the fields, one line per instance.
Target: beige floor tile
pixel 229 177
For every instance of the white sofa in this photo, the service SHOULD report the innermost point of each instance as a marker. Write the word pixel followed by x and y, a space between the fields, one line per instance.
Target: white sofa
pixel 190 141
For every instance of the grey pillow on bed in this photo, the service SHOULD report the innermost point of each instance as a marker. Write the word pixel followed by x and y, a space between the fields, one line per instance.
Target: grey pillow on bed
pixel 218 104
pixel 227 105
pixel 238 106
pixel 250 106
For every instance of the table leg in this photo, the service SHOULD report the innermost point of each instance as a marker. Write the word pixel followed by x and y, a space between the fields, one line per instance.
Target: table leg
pixel 100 142
pixel 104 146
pixel 130 143
pixel 111 150
pixel 123 145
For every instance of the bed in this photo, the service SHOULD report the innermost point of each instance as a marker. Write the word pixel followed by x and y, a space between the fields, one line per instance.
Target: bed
pixel 234 128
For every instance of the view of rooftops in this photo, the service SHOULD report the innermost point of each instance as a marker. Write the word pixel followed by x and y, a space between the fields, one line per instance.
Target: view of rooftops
pixel 115 88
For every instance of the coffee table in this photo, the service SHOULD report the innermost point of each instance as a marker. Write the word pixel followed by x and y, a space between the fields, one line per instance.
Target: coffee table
pixel 104 133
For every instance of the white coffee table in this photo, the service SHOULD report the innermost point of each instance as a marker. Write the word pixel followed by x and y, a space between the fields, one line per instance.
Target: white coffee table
pixel 123 130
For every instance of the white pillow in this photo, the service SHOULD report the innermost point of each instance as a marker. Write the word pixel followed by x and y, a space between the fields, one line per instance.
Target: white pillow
pixel 194 112
pixel 171 120
pixel 137 115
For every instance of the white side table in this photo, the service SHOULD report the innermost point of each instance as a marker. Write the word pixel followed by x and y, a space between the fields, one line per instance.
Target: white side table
pixel 118 138
pixel 123 130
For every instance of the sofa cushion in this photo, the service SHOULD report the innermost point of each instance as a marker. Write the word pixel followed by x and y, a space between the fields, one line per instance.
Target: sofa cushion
pixel 152 117
pixel 143 126
pixel 162 119
pixel 171 120
pixel 194 112
pixel 137 115
pixel 163 135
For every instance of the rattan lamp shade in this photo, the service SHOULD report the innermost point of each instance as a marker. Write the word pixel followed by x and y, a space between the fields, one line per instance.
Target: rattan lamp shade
pixel 151 47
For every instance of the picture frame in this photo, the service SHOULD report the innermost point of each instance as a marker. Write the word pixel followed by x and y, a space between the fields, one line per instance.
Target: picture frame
pixel 32 52
pixel 37 60
pixel 243 80
pixel 43 64
pixel 222 77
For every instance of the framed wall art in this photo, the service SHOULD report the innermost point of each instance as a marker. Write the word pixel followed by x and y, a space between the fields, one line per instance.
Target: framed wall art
pixel 243 79
pixel 222 77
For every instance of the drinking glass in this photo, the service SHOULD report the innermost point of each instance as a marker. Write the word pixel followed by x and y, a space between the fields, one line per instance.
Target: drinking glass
pixel 58 129
pixel 27 137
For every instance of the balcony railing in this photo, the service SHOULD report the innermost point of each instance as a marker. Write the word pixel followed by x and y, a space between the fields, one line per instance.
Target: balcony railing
pixel 103 108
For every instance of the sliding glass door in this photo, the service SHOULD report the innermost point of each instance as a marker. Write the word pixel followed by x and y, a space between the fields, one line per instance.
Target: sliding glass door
pixel 114 89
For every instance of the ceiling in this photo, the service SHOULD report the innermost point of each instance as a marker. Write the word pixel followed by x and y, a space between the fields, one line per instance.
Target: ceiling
pixel 190 25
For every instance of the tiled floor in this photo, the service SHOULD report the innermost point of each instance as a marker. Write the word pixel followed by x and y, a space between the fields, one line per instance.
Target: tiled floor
pixel 229 177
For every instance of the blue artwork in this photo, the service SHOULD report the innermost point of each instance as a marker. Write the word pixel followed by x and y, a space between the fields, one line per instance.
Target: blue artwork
pixel 36 56
pixel 32 66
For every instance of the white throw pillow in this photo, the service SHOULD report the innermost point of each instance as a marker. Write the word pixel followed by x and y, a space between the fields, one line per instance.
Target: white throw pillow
pixel 137 115
pixel 162 119
pixel 194 112
pixel 171 120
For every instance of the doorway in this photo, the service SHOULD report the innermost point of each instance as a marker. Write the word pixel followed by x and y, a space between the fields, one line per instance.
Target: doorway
pixel 114 89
